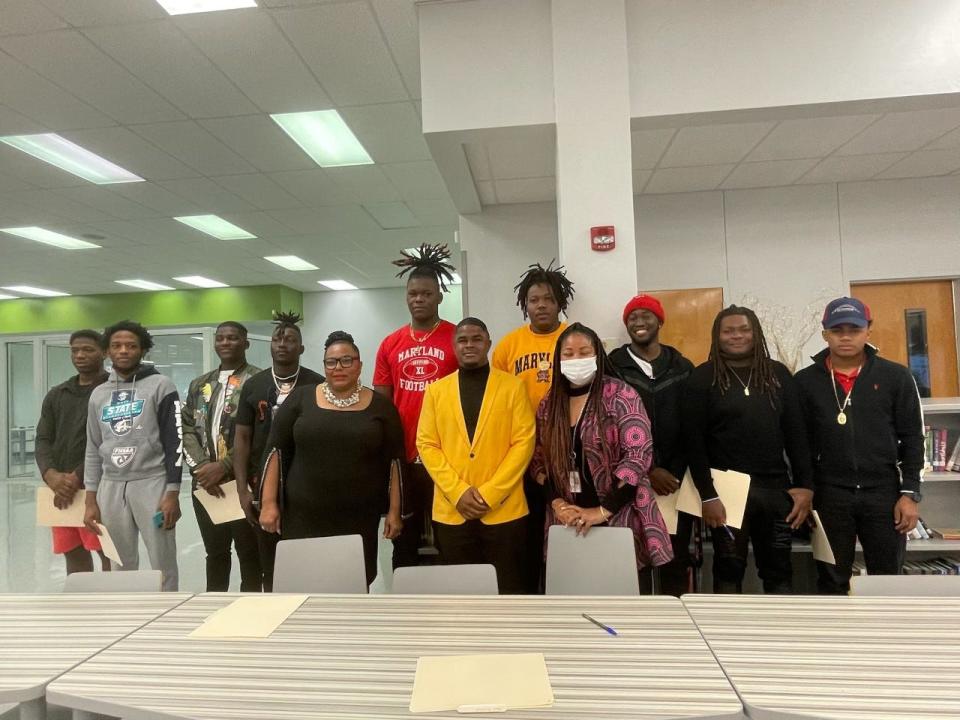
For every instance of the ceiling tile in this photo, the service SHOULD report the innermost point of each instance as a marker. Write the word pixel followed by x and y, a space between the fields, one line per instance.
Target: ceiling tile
pixel 343 46
pixel 950 140
pixel 131 152
pixel 105 12
pixel 526 190
pixel 902 131
pixel 327 222
pixel 687 179
pixel 368 183
pixel 156 198
pixel 401 28
pixel 647 146
pixel 925 163
pixel 11 184
pixel 160 55
pixel 417 180
pixel 25 17
pixel 436 212
pixel 713 144
pixel 42 204
pixel 850 168
pixel 809 137
pixel 392 215
pixel 249 48
pixel 261 224
pixel 13 123
pixel 486 193
pixel 20 166
pixel 101 198
pixel 313 187
pixel 526 153
pixel 70 60
pixel 259 190
pixel 260 141
pixel 195 146
pixel 767 174
pixel 640 178
pixel 390 133
pixel 207 194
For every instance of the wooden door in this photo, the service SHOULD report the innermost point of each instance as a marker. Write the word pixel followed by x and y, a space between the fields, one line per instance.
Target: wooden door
pixel 689 319
pixel 929 308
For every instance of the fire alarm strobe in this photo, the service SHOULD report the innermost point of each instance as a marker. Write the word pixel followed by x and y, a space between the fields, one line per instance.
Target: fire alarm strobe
pixel 602 238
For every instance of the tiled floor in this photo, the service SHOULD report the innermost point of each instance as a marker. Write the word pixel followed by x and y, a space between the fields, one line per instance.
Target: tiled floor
pixel 28 565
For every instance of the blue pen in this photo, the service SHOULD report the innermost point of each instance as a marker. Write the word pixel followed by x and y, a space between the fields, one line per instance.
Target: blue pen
pixel 599 624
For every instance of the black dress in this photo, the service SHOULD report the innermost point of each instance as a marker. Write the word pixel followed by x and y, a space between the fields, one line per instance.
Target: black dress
pixel 339 477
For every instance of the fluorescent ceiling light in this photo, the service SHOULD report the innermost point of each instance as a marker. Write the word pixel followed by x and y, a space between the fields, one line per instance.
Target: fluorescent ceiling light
pixel 291 262
pixel 216 226
pixel 200 281
pixel 8 297
pixel 144 284
pixel 185 7
pixel 69 156
pixel 325 137
pixel 337 284
pixel 48 237
pixel 28 290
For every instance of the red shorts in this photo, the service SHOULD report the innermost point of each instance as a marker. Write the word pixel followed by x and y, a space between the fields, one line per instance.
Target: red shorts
pixel 66 539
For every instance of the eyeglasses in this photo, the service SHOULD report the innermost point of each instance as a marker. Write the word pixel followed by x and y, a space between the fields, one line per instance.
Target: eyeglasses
pixel 344 362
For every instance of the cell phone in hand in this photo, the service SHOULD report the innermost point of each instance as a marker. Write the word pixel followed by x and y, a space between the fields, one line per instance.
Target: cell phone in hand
pixel 158 519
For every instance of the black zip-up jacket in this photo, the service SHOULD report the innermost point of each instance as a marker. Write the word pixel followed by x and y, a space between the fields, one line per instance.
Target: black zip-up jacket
pixel 661 397
pixel 62 427
pixel 881 443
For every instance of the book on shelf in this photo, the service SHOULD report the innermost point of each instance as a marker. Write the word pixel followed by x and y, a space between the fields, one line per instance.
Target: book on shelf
pixel 931 566
pixel 945 533
pixel 940 455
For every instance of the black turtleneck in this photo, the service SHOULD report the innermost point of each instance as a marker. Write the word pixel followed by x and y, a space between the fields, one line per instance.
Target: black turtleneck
pixel 473 384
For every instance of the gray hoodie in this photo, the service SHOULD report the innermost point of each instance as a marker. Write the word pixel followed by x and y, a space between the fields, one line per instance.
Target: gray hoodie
pixel 133 430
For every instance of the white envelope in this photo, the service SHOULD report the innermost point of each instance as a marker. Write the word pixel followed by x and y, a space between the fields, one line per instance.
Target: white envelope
pixel 252 616
pixel 221 510
pixel 106 544
pixel 668 508
pixel 49 515
pixel 821 544
pixel 732 487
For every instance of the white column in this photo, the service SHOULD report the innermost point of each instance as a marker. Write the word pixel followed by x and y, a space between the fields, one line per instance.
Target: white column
pixel 594 178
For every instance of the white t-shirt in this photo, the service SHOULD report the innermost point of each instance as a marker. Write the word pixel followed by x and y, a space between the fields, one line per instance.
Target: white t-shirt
pixel 218 410
pixel 646 367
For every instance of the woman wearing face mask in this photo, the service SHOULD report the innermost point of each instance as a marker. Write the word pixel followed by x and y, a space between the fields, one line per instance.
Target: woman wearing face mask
pixel 594 449
pixel 346 444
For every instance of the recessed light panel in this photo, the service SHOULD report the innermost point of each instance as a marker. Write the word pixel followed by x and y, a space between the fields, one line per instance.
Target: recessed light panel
pixel 337 284
pixel 62 153
pixel 48 237
pixel 216 226
pixel 200 281
pixel 325 137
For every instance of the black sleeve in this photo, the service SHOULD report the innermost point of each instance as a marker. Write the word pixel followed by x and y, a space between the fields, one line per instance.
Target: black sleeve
pixel 619 498
pixel 550 491
pixel 908 421
pixel 396 447
pixel 696 421
pixel 281 429
pixel 794 429
pixel 246 413
pixel 171 437
pixel 46 435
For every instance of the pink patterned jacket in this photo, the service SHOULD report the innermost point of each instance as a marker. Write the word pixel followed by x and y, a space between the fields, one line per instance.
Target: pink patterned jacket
pixel 618 449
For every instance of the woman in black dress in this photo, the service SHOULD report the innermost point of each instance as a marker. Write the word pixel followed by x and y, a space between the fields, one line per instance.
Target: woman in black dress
pixel 341 447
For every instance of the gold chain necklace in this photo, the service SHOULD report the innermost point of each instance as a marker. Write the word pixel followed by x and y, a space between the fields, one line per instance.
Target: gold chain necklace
pixel 426 337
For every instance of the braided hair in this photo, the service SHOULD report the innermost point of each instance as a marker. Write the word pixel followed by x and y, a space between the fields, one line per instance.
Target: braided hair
pixel 553 277
pixel 760 360
pixel 289 319
pixel 427 261
pixel 557 445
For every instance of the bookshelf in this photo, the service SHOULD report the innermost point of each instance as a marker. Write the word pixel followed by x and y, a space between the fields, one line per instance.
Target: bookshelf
pixel 941 492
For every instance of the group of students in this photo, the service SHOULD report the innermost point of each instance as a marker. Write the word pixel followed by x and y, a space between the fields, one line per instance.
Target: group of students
pixel 483 454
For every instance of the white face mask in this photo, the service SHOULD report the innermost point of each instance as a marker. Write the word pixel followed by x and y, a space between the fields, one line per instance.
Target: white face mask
pixel 579 371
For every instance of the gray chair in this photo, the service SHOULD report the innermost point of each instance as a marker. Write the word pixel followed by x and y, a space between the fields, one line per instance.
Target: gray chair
pixel 446 580
pixel 320 565
pixel 603 562
pixel 905 585
pixel 114 581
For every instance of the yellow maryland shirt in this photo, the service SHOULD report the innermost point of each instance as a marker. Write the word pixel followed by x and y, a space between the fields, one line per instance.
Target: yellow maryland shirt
pixel 528 356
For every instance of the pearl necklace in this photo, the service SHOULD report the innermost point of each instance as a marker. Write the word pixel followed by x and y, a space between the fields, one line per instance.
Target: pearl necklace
pixel 339 402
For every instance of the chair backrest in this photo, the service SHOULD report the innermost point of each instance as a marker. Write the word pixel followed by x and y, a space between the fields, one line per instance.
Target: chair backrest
pixel 905 585
pixel 602 562
pixel 446 580
pixel 114 581
pixel 320 565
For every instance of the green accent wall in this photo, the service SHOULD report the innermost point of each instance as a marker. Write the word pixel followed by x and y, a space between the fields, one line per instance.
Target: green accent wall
pixel 27 316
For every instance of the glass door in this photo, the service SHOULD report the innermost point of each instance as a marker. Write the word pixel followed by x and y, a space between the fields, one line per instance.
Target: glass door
pixel 23 408
pixel 56 363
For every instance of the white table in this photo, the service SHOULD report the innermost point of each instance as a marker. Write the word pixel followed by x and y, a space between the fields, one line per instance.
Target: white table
pixel 342 657
pixel 43 636
pixel 869 658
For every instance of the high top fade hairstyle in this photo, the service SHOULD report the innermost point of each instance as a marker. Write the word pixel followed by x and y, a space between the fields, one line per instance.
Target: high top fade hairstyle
pixel 289 319
pixel 427 261
pixel 554 277
pixel 762 363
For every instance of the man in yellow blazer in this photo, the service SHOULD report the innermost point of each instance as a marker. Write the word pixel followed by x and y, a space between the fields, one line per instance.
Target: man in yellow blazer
pixel 476 437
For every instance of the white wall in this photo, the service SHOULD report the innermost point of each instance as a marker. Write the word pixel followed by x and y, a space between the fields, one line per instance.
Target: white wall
pixel 368 315
pixel 500 243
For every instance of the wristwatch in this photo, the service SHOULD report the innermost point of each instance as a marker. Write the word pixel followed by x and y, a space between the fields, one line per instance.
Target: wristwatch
pixel 912 494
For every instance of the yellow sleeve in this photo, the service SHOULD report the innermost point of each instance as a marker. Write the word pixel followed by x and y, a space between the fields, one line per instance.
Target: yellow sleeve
pixel 522 441
pixel 431 452
pixel 501 355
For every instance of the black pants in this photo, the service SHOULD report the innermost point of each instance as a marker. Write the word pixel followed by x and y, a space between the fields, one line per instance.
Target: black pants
pixel 764 524
pixel 848 514
pixel 417 509
pixel 500 545
pixel 675 578
pixel 217 540
pixel 533 553
pixel 267 550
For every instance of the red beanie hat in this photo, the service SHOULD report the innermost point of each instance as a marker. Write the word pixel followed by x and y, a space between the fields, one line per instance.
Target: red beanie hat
pixel 644 302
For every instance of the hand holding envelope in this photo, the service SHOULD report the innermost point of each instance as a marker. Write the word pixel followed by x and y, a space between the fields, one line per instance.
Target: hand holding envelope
pixel 732 487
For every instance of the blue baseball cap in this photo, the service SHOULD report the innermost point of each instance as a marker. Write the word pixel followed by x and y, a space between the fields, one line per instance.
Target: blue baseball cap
pixel 846 311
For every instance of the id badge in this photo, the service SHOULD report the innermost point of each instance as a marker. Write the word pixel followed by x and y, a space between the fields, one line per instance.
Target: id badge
pixel 574 481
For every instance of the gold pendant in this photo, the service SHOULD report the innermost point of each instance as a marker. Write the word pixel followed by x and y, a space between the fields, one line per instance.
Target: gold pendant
pixel 746 391
pixel 842 418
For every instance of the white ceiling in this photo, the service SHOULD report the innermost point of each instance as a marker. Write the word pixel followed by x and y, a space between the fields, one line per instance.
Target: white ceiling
pixel 184 103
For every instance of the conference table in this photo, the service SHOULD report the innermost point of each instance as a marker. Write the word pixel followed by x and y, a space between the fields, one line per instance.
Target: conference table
pixel 863 658
pixel 342 657
pixel 43 636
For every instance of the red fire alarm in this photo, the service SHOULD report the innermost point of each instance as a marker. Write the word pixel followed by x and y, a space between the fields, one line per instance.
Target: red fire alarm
pixel 602 238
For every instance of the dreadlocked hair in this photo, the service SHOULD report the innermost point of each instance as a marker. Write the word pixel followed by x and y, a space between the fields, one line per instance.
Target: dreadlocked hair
pixel 427 261
pixel 289 319
pixel 763 368
pixel 554 277
pixel 557 445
